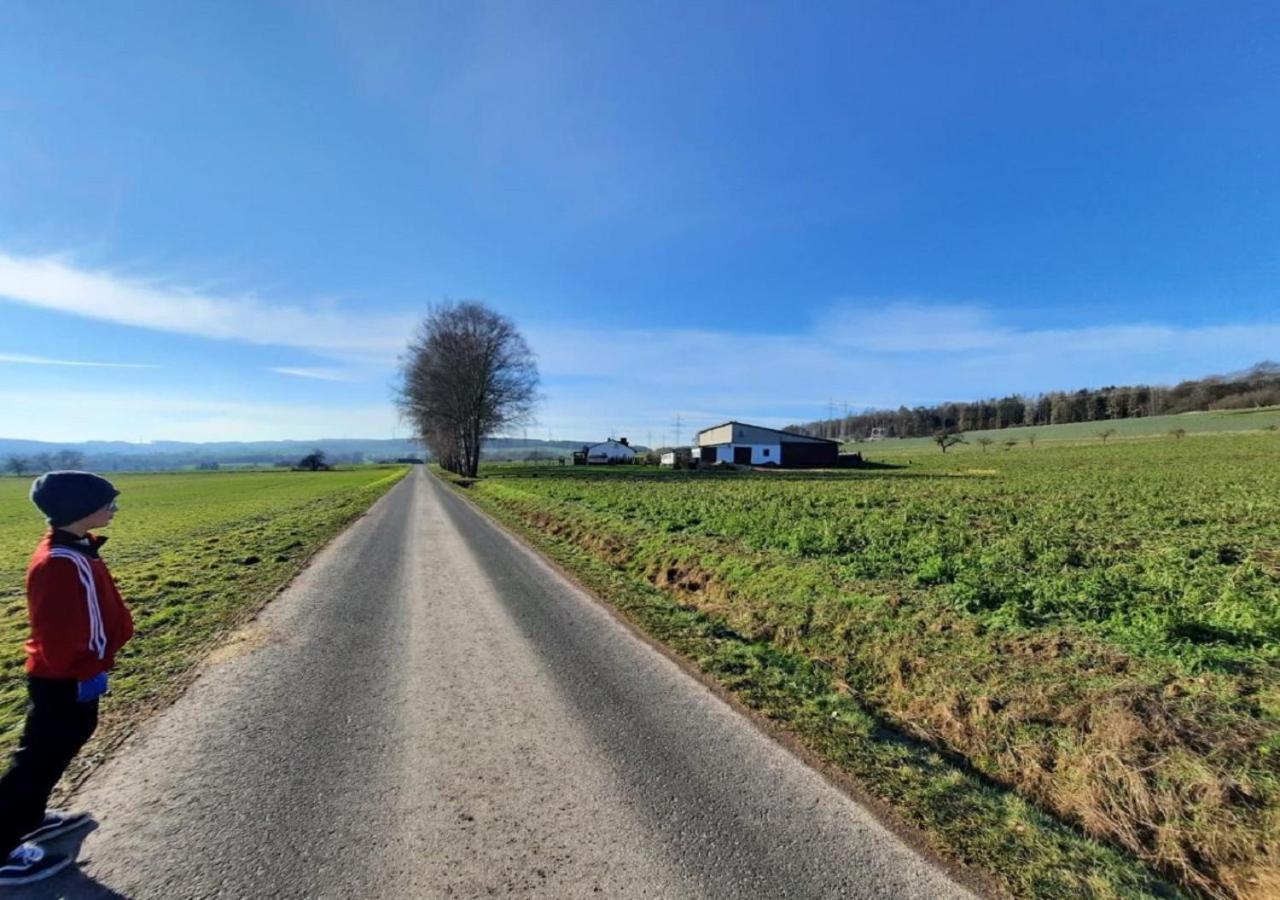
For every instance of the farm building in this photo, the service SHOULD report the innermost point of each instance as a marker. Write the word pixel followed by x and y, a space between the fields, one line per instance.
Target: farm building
pixel 678 457
pixel 755 445
pixel 609 452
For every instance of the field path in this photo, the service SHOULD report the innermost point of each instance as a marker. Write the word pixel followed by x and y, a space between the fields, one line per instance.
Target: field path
pixel 432 711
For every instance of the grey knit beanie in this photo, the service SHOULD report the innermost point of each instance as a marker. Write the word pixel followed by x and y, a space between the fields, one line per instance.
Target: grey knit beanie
pixel 66 497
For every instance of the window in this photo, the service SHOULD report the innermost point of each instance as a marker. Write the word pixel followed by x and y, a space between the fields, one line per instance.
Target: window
pixel 766 451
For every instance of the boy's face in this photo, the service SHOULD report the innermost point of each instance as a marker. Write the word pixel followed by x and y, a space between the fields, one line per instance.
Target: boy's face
pixel 101 518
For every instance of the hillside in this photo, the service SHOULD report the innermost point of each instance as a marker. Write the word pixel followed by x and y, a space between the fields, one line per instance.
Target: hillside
pixel 1086 432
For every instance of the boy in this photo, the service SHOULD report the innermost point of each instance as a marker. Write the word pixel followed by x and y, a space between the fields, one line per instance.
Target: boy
pixel 78 623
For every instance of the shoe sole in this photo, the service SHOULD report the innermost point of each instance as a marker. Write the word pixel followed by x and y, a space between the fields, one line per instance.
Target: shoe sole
pixel 37 876
pixel 48 834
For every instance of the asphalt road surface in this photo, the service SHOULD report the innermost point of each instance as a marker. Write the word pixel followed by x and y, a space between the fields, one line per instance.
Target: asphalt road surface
pixel 432 711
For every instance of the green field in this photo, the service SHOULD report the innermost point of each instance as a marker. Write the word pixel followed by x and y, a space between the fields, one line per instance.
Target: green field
pixel 1221 422
pixel 194 555
pixel 1088 631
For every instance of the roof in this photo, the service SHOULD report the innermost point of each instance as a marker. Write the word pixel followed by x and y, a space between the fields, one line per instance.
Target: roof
pixel 790 434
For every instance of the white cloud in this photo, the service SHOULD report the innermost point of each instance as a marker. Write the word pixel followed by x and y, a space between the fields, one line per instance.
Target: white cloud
pixel 139 416
pixel 635 381
pixel 631 381
pixel 913 326
pixel 318 373
pixel 25 359
pixel 56 284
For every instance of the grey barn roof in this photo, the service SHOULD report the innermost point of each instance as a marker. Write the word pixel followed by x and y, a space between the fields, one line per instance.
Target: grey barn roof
pixel 786 435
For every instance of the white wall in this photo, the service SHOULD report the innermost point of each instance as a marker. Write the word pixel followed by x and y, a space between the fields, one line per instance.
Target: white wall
pixel 760 453
pixel 766 453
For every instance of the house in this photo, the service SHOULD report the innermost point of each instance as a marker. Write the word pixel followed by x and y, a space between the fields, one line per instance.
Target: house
pixel 609 452
pixel 755 445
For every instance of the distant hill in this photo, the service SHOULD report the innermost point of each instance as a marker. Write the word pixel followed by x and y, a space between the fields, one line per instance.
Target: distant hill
pixel 128 456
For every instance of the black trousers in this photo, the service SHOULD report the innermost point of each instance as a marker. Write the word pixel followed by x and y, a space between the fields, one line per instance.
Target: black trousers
pixel 57 727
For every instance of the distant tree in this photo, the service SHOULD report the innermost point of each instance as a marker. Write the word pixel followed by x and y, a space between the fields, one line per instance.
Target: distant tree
pixel 1010 444
pixel 985 442
pixel 69 459
pixel 42 462
pixel 468 373
pixel 1106 433
pixel 17 464
pixel 1178 433
pixel 945 439
pixel 313 461
pixel 1031 439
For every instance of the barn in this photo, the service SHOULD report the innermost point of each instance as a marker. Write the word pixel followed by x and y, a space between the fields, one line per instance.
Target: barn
pixel 755 445
pixel 609 452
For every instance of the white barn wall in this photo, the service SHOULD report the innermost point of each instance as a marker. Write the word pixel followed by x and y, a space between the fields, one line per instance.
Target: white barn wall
pixel 724 453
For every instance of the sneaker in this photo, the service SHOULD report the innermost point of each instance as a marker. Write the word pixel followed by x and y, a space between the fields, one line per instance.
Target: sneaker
pixel 55 824
pixel 28 862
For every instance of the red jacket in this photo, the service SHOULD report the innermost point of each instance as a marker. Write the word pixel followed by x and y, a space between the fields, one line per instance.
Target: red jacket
pixel 78 620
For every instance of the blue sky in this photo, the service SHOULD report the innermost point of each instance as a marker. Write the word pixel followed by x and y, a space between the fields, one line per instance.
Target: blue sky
pixel 712 209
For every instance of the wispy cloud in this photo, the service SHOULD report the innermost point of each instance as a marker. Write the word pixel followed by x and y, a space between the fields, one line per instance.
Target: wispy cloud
pixel 25 359
pixel 318 373
pixel 55 283
pixel 879 354
pixel 598 380
pixel 910 326
pixel 148 416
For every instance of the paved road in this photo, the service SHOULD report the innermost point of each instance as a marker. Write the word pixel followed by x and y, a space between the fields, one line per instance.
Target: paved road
pixel 431 711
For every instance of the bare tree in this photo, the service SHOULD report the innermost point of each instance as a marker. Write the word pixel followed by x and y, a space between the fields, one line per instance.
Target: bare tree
pixel 985 442
pixel 17 464
pixel 1178 433
pixel 945 439
pixel 1106 433
pixel 468 373
pixel 1031 439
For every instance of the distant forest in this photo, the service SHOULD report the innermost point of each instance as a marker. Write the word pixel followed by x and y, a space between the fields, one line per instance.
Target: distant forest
pixel 1259 386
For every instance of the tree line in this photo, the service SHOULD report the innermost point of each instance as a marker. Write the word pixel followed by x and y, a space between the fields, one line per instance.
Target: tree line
pixel 1260 386
pixel 44 462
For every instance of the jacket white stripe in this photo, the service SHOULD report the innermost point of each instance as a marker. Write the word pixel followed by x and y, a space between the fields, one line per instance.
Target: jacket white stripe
pixel 97 635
